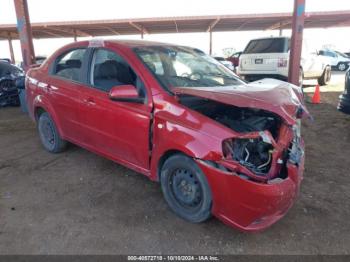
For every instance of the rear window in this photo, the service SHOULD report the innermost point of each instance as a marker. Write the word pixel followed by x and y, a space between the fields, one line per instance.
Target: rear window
pixel 269 45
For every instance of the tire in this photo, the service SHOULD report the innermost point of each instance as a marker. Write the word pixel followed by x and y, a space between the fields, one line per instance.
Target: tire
pixel 325 77
pixel 301 77
pixel 49 135
pixel 342 66
pixel 185 189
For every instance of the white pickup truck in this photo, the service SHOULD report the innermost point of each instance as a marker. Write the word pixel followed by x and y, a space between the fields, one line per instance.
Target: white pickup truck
pixel 269 58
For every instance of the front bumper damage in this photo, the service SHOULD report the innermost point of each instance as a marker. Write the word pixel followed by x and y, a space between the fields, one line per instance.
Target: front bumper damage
pixel 250 204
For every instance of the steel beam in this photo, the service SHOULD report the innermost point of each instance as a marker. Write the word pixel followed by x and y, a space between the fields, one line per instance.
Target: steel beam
pixel 25 33
pixel 138 27
pixel 296 41
pixel 70 31
pixel 11 48
pixel 210 42
pixel 213 24
pixel 75 36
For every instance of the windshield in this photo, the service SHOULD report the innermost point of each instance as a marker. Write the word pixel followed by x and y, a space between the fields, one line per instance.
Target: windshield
pixel 176 66
pixel 268 45
pixel 342 54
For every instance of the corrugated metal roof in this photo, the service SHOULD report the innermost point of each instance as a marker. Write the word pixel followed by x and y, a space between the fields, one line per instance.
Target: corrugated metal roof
pixel 185 24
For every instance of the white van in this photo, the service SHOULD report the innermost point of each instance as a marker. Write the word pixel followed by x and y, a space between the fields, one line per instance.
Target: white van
pixel 269 58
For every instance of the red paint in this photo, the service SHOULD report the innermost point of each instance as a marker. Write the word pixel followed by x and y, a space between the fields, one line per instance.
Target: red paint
pixel 123 92
pixel 121 131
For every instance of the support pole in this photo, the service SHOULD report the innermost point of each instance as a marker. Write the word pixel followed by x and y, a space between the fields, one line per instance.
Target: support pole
pixel 75 36
pixel 25 33
pixel 11 49
pixel 142 32
pixel 210 41
pixel 296 41
pixel 281 30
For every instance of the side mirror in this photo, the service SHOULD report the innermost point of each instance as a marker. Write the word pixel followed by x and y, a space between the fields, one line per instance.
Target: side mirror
pixel 125 93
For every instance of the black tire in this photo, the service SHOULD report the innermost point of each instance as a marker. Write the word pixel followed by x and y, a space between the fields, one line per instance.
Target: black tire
pixel 49 135
pixel 342 66
pixel 185 189
pixel 325 77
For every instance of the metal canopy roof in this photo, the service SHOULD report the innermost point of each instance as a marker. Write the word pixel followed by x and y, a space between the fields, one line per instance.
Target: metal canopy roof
pixel 185 24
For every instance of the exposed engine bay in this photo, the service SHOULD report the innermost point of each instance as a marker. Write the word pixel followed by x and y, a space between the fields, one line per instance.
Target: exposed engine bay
pixel 255 154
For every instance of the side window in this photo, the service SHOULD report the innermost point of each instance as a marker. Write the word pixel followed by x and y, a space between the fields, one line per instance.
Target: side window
pixel 153 62
pixel 69 65
pixel 108 70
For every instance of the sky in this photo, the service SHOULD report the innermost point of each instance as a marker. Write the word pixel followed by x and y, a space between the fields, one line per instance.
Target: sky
pixel 63 10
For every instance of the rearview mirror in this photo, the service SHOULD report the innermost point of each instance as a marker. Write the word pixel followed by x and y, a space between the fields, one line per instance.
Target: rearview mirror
pixel 125 93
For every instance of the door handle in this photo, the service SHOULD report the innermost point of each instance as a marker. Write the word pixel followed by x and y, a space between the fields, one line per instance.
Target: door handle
pixel 89 101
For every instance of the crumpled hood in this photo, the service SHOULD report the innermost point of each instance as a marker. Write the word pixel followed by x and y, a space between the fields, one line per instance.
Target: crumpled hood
pixel 272 95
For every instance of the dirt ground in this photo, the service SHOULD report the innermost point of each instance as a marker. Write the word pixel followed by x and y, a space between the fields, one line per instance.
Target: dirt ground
pixel 79 203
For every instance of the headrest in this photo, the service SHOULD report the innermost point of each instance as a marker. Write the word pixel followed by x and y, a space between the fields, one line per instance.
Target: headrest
pixel 107 69
pixel 73 63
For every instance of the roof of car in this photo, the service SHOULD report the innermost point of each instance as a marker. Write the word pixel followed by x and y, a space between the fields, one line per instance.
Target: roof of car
pixel 135 43
pixel 272 37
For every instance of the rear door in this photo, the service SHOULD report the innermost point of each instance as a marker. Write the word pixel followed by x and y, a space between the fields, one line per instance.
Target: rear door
pixel 119 130
pixel 63 89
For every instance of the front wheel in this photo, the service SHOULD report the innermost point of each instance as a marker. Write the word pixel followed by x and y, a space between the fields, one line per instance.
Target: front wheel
pixel 185 189
pixel 325 77
pixel 49 135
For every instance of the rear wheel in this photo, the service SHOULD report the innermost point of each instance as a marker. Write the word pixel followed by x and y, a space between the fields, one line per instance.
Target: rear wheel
pixel 186 189
pixel 49 135
pixel 325 77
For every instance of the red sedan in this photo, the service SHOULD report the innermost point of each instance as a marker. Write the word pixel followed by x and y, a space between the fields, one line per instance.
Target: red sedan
pixel 217 145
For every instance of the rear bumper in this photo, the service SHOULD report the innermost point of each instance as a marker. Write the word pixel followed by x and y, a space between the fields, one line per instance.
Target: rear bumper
pixel 251 206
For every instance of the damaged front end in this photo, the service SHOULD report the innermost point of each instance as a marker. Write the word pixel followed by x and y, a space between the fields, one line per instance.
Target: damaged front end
pixel 257 175
pixel 262 142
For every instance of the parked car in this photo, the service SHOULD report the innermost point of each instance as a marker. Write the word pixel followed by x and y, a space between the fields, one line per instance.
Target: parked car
pixel 347 54
pixel 225 62
pixel 338 60
pixel 269 57
pixel 235 58
pixel 38 61
pixel 7 60
pixel 344 99
pixel 216 145
pixel 8 90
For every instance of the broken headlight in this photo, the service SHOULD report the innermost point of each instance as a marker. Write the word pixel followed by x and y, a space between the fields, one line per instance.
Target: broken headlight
pixel 252 153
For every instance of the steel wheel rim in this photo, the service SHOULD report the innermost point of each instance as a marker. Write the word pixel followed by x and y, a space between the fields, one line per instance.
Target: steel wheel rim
pixel 185 189
pixel 341 67
pixel 47 133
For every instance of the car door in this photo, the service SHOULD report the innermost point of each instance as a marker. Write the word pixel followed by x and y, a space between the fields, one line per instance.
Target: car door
pixel 119 130
pixel 63 88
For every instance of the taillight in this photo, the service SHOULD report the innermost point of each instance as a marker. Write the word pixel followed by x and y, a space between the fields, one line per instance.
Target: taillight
pixel 282 62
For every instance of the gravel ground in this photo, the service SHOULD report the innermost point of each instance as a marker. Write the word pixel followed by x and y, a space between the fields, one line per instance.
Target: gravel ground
pixel 79 203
